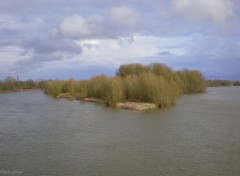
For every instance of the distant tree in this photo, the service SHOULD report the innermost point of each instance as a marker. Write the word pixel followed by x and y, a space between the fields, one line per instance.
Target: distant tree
pixel 9 84
pixel 227 83
pixel 237 83
pixel 41 84
pixel 1 86
pixel 30 84
pixel 131 69
pixel 216 83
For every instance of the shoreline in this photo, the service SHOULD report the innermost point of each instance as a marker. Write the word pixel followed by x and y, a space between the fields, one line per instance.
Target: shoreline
pixel 22 90
pixel 129 105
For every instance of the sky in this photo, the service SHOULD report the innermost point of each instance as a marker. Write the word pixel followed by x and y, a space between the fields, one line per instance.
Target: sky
pixel 62 39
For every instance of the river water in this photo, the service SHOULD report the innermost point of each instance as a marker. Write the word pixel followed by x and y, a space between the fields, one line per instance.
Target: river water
pixel 43 136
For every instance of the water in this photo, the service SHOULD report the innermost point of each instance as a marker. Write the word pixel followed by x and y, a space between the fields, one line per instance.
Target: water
pixel 200 135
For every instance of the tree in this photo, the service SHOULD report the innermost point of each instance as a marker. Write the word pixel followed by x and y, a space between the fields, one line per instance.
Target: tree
pixel 131 69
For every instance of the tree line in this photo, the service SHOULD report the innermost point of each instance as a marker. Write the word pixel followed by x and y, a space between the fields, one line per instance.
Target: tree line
pixel 218 83
pixel 154 83
pixel 11 84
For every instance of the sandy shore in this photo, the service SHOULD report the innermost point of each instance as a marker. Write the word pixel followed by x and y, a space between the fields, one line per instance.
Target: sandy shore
pixel 139 106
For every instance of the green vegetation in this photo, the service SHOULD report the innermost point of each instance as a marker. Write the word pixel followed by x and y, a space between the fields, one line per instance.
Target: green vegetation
pixel 10 84
pixel 154 83
pixel 131 69
pixel 55 88
pixel 192 81
pixel 217 83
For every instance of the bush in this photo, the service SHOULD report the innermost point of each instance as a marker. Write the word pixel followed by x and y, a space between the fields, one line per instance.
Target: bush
pixel 97 87
pixel 148 87
pixel 69 86
pixel 192 81
pixel 81 89
pixel 155 83
pixel 115 92
pixel 54 88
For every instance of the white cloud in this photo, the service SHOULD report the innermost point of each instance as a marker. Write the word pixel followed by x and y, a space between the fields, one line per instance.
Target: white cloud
pixel 158 29
pixel 217 11
pixel 116 22
pixel 123 16
pixel 10 23
pixel 9 55
pixel 105 50
pixel 119 51
pixel 75 26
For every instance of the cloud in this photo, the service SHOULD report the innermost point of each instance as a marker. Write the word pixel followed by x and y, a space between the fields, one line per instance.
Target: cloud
pixel 216 11
pixel 36 42
pixel 15 30
pixel 48 45
pixel 12 23
pixel 118 51
pixel 87 33
pixel 37 60
pixel 124 17
pixel 117 21
pixel 43 50
pixel 76 26
pixel 137 48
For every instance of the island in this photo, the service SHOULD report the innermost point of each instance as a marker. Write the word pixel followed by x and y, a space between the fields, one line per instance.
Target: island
pixel 135 86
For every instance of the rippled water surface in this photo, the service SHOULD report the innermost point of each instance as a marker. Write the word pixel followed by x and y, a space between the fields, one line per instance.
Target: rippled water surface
pixel 200 135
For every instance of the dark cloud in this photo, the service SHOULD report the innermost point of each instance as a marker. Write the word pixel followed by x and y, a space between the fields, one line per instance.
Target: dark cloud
pixel 45 50
pixel 9 37
pixel 36 61
pixel 51 45
pixel 47 31
pixel 37 41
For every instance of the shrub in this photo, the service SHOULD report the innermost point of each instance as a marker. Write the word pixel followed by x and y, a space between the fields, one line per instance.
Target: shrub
pixel 69 86
pixel 155 83
pixel 54 88
pixel 192 81
pixel 148 87
pixel 115 91
pixel 97 87
pixel 82 89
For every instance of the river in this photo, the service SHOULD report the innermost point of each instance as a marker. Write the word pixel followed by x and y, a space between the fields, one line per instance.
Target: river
pixel 43 136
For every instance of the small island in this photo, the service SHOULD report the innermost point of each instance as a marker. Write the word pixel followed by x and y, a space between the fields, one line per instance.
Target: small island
pixel 135 87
